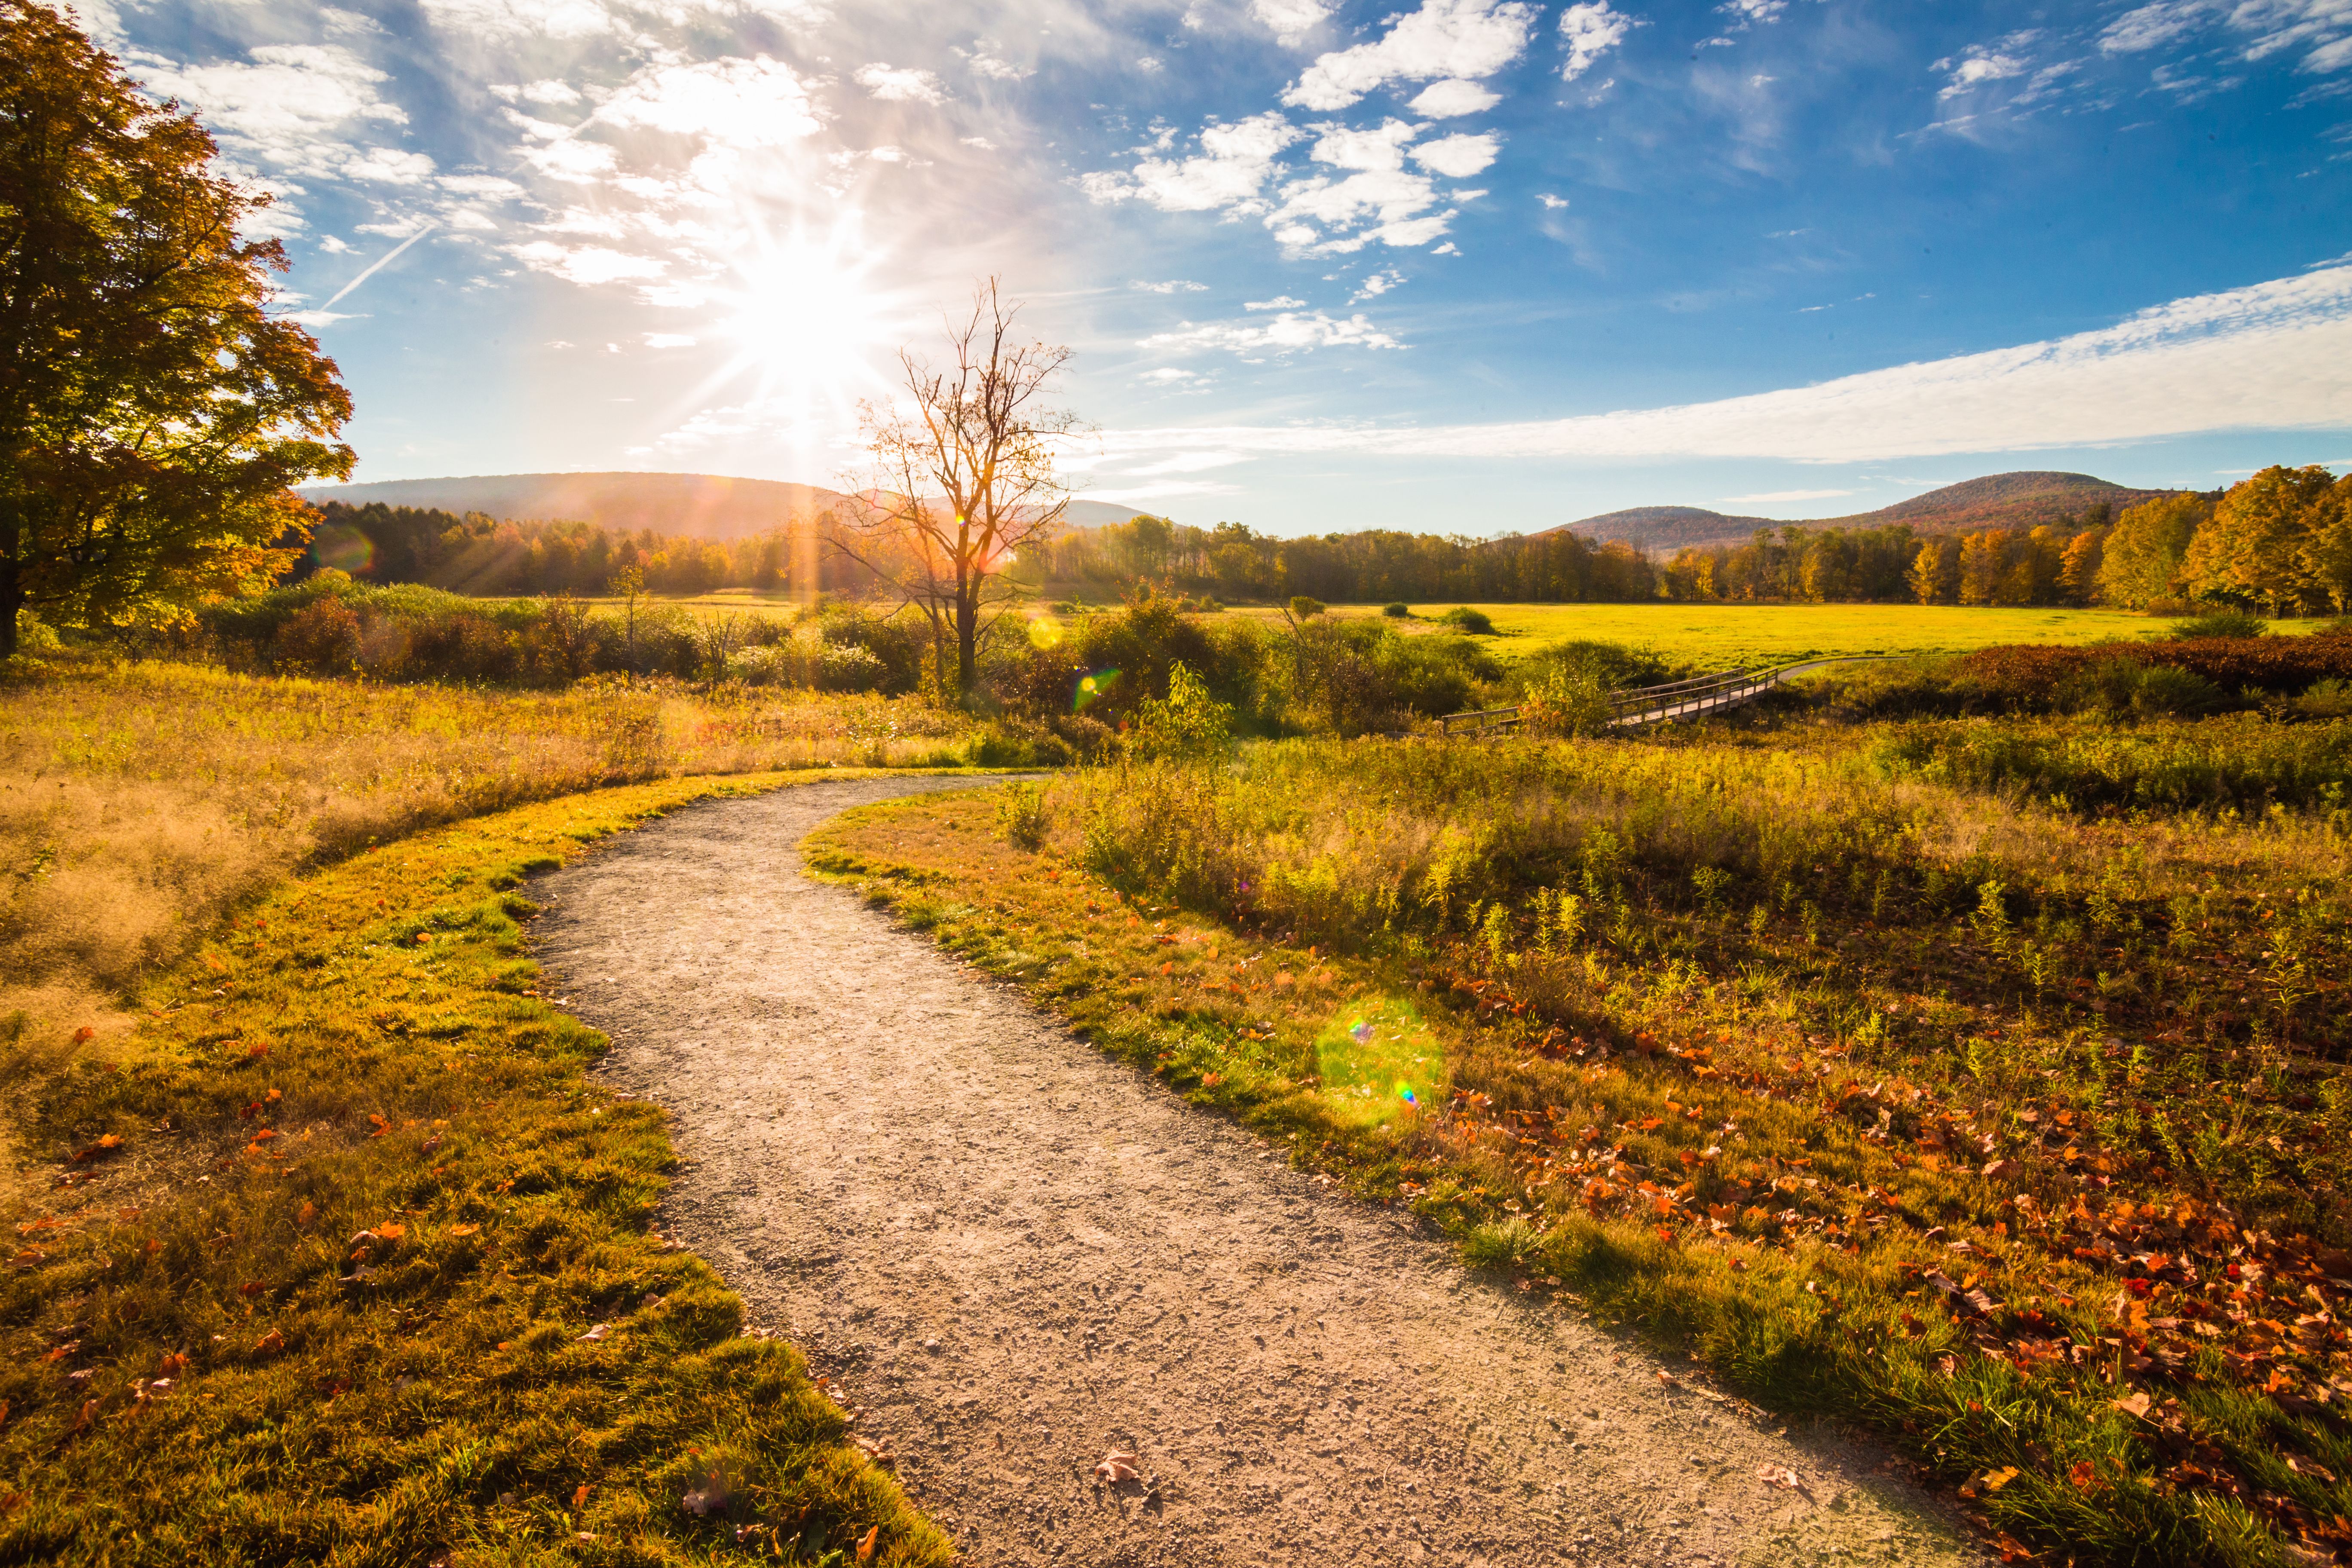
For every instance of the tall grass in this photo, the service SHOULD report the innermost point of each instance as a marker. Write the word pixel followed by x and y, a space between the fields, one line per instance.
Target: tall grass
pixel 138 803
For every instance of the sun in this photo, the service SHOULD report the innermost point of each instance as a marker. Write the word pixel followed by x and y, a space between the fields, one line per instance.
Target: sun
pixel 807 327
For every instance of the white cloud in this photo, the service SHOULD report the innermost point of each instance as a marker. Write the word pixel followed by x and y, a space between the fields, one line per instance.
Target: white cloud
pixel 1285 333
pixel 1147 63
pixel 1771 497
pixel 1456 157
pixel 983 142
pixel 549 91
pixel 390 166
pixel 735 102
pixel 900 86
pixel 333 244
pixel 521 19
pixel 1290 20
pixel 987 64
pixel 1981 66
pixel 588 264
pixel 668 340
pixel 1173 285
pixel 295 105
pixel 574 163
pixel 1553 201
pixel 1382 149
pixel 1279 302
pixel 1378 284
pixel 1747 12
pixel 1464 39
pixel 1169 375
pixel 2273 356
pixel 1591 29
pixel 2321 28
pixel 2152 26
pixel 478 185
pixel 1231 171
pixel 1451 98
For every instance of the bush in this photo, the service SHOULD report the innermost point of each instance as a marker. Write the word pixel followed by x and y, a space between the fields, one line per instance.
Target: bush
pixel 1567 701
pixel 2246 762
pixel 1610 666
pixel 1477 622
pixel 321 639
pixel 1187 723
pixel 2220 623
pixel 2124 688
pixel 1399 611
pixel 1021 816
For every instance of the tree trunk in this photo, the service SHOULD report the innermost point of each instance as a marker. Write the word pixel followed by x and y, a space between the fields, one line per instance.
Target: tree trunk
pixel 967 613
pixel 11 580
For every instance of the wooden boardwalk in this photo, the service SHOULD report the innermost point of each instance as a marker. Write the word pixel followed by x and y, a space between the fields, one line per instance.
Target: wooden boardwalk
pixel 1657 704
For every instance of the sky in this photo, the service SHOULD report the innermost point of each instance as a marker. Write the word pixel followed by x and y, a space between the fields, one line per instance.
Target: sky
pixel 1463 265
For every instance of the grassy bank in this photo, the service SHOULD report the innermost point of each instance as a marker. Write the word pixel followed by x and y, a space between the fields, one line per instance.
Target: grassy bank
pixel 342 1258
pixel 139 803
pixel 2016 1132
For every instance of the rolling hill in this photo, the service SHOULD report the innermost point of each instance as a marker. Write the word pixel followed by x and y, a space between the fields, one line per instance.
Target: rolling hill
pixel 699 506
pixel 2027 498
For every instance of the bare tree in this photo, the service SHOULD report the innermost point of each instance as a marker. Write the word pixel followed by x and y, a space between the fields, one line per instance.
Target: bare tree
pixel 961 476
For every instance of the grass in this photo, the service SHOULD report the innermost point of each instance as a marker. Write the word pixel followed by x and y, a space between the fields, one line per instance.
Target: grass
pixel 2017 1133
pixel 1725 636
pixel 140 804
pixel 345 1260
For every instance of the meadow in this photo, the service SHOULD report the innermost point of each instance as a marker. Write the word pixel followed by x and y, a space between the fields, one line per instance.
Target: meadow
pixel 1733 637
pixel 1996 1104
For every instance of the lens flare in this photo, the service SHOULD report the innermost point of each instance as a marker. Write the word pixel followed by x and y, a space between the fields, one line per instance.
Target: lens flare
pixel 343 548
pixel 1045 632
pixel 1377 1061
pixel 1092 684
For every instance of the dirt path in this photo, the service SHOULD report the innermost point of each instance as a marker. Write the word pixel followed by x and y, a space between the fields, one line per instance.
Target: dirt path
pixel 1016 1255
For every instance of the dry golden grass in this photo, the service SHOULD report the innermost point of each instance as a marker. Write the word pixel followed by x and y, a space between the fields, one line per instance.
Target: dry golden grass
pixel 138 805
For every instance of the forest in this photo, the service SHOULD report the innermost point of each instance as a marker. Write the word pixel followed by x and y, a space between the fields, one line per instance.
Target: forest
pixel 2280 541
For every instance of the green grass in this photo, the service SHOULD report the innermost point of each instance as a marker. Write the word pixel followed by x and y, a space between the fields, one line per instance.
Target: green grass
pixel 347 1261
pixel 1772 1053
pixel 1724 636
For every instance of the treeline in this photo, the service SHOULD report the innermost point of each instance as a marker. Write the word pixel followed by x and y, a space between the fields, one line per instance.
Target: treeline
pixel 487 556
pixel 2280 541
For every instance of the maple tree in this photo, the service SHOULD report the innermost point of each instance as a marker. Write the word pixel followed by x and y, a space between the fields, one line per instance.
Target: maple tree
pixel 153 412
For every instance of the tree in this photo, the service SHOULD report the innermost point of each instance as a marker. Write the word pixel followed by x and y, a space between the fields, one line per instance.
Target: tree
pixel 153 416
pixel 2140 564
pixel 2253 546
pixel 962 476
pixel 2326 549
pixel 2078 570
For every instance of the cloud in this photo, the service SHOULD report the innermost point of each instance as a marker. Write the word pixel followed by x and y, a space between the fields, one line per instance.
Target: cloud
pixel 1981 66
pixel 1591 29
pixel 1286 333
pixel 668 340
pixel 1169 375
pixel 1747 12
pixel 1456 157
pixel 1173 285
pixel 1290 20
pixel 2150 27
pixel 900 86
pixel 390 166
pixel 1279 302
pixel 1231 171
pixel 2321 28
pixel 1464 39
pixel 1553 201
pixel 2272 356
pixel 574 163
pixel 294 106
pixel 1378 284
pixel 986 64
pixel 521 19
pixel 735 102
pixel 589 264
pixel 1771 497
pixel 1379 149
pixel 1451 98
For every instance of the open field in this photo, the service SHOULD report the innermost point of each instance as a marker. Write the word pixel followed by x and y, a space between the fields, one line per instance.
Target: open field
pixel 344 1258
pixel 139 805
pixel 1727 637
pixel 2016 1131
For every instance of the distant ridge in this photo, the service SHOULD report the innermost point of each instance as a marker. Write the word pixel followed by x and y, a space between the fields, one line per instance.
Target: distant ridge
pixel 697 506
pixel 2026 499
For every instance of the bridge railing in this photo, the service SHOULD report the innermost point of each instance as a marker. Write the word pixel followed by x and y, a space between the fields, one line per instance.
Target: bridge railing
pixel 1698 694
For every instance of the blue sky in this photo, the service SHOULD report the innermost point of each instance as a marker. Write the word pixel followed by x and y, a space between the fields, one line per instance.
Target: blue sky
pixel 1468 264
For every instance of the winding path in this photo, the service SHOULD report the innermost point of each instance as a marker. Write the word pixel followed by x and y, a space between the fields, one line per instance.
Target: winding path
pixel 1013 1254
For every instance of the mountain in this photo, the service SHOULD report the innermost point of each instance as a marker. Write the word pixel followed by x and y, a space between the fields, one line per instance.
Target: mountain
pixel 2022 500
pixel 698 506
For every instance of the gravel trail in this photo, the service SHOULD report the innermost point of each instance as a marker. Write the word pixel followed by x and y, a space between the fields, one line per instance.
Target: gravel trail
pixel 1014 1256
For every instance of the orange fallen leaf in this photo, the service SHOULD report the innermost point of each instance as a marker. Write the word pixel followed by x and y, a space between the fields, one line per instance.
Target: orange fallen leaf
pixel 88 1409
pixel 581 1496
pixel 1781 1476
pixel 391 1232
pixel 2135 1406
pixel 310 1211
pixel 84 1035
pixel 255 1051
pixel 1117 1465
pixel 464 1229
pixel 264 1136
pixel 251 1288
pixel 865 1547
pixel 270 1344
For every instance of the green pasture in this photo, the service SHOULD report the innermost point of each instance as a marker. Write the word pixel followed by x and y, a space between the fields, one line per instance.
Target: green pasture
pixel 1731 636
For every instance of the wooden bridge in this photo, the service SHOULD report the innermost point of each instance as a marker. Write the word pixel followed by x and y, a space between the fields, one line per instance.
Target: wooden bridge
pixel 1657 704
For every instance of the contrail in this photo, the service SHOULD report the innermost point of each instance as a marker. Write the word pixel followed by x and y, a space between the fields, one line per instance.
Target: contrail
pixel 378 267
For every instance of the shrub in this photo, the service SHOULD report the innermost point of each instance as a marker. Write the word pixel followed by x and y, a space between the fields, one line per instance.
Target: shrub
pixel 322 639
pixel 2246 761
pixel 2123 686
pixel 1399 611
pixel 1302 606
pixel 1567 701
pixel 2220 623
pixel 1187 723
pixel 1477 622
pixel 1021 816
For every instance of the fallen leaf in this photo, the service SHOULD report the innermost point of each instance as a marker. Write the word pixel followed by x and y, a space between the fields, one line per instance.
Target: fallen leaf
pixel 391 1232
pixel 2084 1475
pixel 865 1547
pixel 1781 1476
pixel 310 1211
pixel 581 1496
pixel 84 1035
pixel 709 1499
pixel 2135 1406
pixel 1995 1479
pixel 464 1229
pixel 1117 1466
pixel 270 1344
pixel 251 1288
pixel 88 1409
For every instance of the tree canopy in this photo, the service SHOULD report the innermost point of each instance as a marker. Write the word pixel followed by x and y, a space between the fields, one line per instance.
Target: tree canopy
pixel 153 412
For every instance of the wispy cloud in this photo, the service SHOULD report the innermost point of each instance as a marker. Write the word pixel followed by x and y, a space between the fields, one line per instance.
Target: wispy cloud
pixel 2276 355
pixel 1456 39
pixel 1289 332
